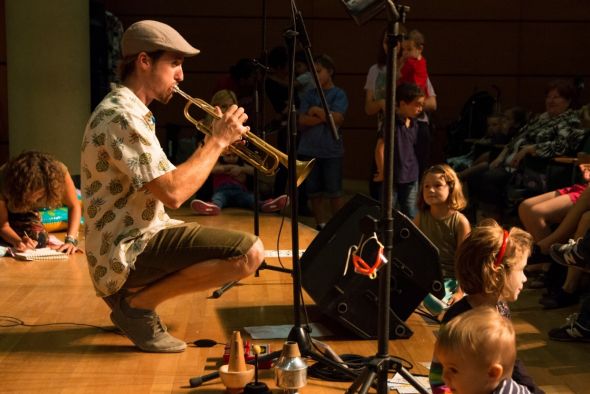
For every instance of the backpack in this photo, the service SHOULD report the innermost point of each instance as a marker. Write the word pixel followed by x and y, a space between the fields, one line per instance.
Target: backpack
pixel 472 122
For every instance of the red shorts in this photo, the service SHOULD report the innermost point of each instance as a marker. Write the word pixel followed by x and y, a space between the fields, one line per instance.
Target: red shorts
pixel 573 191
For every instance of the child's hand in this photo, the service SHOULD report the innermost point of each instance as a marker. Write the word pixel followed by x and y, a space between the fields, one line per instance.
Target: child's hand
pixel 25 243
pixel 68 248
pixel 318 112
pixel 456 297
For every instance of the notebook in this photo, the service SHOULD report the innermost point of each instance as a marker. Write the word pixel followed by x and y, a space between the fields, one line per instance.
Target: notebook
pixel 40 254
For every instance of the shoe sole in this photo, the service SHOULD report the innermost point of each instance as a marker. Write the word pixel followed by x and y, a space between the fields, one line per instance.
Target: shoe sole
pixel 201 208
pixel 276 205
pixel 557 258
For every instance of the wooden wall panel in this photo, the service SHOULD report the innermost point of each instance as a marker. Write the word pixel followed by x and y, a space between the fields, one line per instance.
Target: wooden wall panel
pixel 3 88
pixel 471 48
pixel 555 48
pixel 2 33
pixel 3 115
pixel 516 46
pixel 463 10
pixel 563 10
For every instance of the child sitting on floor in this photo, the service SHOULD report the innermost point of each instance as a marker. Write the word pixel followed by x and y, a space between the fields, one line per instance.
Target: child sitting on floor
pixel 490 268
pixel 477 351
pixel 439 204
pixel 31 181
pixel 230 189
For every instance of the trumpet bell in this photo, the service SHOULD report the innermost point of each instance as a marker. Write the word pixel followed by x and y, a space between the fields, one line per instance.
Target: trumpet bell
pixel 303 170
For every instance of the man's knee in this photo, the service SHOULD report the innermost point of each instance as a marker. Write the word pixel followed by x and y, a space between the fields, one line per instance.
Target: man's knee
pixel 255 257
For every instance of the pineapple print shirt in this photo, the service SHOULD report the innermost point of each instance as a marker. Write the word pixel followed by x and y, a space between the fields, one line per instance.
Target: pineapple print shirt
pixel 120 153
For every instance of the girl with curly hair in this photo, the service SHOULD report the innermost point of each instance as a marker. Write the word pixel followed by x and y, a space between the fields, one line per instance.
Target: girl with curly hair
pixel 490 268
pixel 31 181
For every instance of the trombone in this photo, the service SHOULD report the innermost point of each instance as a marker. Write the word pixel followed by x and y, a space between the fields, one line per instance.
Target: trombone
pixel 265 158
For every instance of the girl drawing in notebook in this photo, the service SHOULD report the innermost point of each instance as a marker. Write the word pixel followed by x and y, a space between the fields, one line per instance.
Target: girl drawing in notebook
pixel 28 182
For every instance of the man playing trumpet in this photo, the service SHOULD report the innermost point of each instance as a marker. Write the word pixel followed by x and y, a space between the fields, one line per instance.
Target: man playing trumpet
pixel 137 256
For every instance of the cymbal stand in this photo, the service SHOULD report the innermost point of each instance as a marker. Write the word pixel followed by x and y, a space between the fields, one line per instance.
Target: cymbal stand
pixel 298 333
pixel 378 368
pixel 259 99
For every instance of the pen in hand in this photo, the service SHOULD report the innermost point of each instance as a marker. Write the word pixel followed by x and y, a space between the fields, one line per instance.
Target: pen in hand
pixel 28 241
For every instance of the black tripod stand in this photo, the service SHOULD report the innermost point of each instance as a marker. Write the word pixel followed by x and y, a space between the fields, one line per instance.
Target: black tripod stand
pixel 382 362
pixel 259 99
pixel 298 334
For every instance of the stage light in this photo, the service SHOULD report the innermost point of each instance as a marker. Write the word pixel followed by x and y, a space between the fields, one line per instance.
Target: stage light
pixel 363 10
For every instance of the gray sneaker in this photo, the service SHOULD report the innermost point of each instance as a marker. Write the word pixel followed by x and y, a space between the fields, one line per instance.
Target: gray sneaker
pixel 145 329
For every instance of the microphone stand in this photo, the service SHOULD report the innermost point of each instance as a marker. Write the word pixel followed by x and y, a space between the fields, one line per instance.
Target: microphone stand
pixel 259 111
pixel 300 335
pixel 382 362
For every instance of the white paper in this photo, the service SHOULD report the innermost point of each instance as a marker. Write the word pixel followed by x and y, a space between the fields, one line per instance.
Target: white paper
pixel 402 386
pixel 281 253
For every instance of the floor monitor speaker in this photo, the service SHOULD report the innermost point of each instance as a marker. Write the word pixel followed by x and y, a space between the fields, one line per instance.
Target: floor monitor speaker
pixel 352 299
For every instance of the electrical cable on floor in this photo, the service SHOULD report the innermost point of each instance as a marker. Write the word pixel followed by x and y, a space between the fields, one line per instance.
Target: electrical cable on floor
pixel 11 321
pixel 353 361
pixel 283 215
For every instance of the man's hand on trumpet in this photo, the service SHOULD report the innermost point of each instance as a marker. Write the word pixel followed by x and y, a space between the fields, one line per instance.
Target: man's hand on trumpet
pixel 230 127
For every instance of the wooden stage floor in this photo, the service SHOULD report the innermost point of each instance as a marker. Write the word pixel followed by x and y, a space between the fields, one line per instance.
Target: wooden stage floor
pixel 57 347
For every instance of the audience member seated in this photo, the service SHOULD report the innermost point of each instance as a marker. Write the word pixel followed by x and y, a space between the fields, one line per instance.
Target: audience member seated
pixel 229 176
pixel 479 151
pixel 230 189
pixel 501 127
pixel 31 181
pixel 477 351
pixel 538 213
pixel 439 204
pixel 564 287
pixel 574 255
pixel 555 132
pixel 490 267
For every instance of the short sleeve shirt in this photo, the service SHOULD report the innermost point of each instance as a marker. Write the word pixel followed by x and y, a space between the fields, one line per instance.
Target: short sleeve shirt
pixel 318 141
pixel 120 154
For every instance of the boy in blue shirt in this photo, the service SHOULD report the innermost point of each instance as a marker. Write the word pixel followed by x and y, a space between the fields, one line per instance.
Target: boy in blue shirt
pixel 316 141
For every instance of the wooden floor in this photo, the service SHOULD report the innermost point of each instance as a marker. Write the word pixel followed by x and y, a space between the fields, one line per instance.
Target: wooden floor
pixel 58 349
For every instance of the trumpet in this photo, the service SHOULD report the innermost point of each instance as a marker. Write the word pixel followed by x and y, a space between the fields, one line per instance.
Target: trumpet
pixel 264 157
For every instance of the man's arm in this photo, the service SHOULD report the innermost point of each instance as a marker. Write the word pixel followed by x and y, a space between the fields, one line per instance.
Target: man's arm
pixel 178 185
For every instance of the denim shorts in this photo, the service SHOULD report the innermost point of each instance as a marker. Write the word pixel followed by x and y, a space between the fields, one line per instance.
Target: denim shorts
pixel 325 179
pixel 175 248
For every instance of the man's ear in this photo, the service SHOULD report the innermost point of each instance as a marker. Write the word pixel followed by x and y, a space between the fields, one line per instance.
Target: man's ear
pixel 143 60
pixel 495 371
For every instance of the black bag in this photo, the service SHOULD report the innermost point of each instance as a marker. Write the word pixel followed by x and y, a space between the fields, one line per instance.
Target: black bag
pixel 472 122
pixel 524 183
